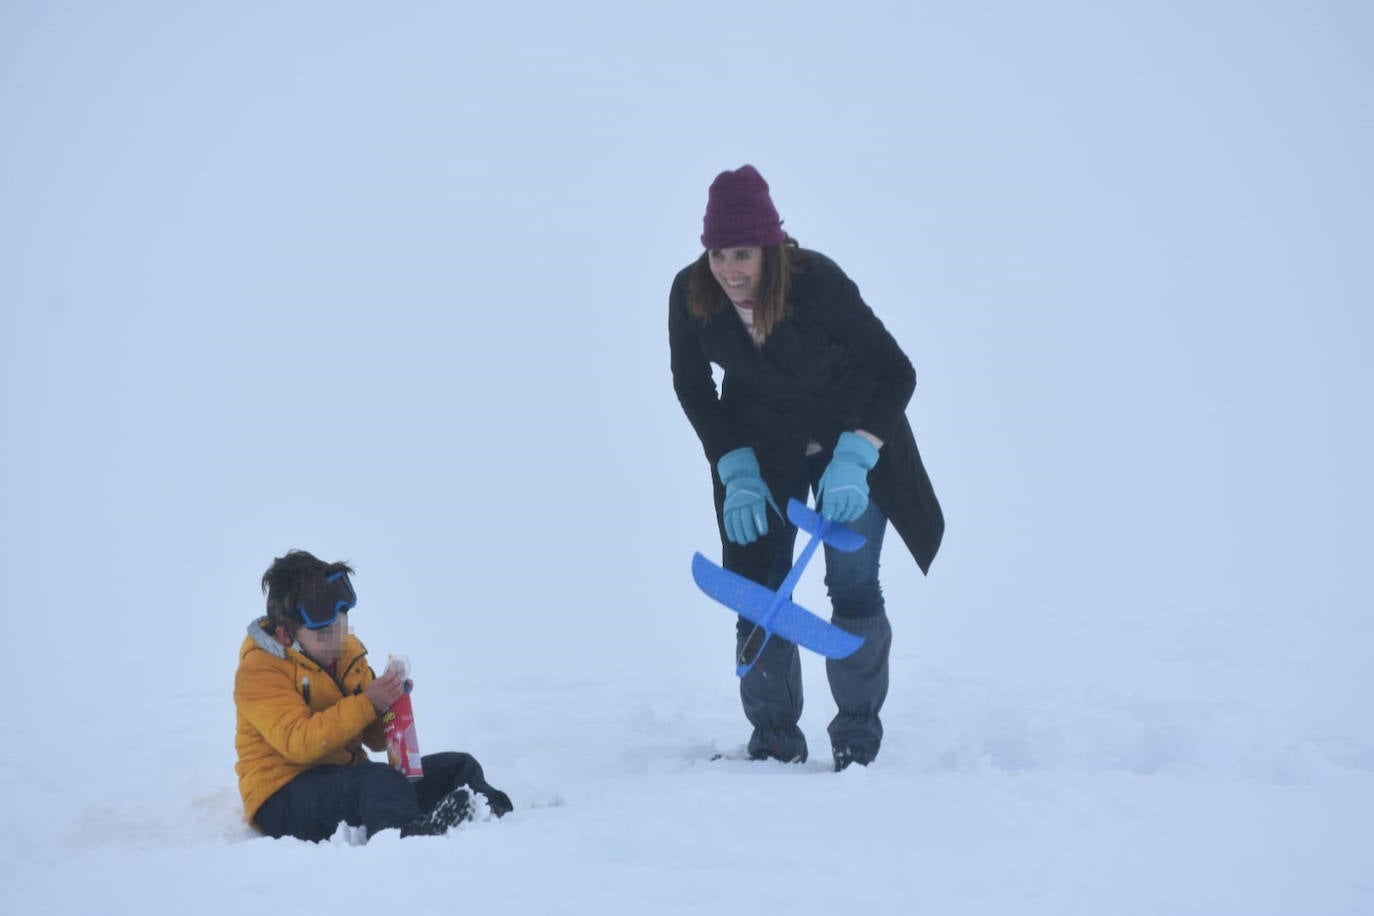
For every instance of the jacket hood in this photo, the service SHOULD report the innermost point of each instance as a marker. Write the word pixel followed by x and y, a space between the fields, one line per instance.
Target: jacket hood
pixel 261 638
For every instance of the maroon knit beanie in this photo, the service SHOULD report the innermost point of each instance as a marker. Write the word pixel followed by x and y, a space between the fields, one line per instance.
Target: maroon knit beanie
pixel 739 212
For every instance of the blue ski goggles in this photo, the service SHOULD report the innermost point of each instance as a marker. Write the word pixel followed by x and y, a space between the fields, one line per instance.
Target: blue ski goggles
pixel 324 608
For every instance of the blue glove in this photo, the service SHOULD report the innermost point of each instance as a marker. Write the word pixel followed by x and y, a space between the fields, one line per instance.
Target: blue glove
pixel 843 490
pixel 746 496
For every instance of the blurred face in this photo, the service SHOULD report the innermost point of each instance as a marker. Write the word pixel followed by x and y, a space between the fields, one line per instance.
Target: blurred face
pixel 325 645
pixel 738 271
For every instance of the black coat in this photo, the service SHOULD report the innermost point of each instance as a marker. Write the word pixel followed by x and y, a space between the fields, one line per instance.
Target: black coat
pixel 828 368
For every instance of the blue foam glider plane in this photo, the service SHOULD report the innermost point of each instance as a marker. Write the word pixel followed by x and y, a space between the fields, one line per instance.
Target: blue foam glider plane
pixel 774 611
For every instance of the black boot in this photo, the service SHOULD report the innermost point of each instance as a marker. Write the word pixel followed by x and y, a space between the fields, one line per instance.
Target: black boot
pixel 845 758
pixel 452 810
pixel 448 770
pixel 498 802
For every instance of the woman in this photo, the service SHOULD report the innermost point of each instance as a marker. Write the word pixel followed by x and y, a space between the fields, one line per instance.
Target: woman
pixel 813 397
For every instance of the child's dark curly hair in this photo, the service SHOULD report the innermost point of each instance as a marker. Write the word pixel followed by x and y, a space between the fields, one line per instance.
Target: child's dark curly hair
pixel 293 579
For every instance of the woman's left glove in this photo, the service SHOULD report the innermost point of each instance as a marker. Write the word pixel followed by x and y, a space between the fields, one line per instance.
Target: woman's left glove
pixel 843 490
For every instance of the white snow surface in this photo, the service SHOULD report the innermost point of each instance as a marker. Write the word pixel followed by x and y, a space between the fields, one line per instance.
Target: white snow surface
pixel 390 285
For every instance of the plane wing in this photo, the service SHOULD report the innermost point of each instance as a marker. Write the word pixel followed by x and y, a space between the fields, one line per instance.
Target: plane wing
pixel 772 611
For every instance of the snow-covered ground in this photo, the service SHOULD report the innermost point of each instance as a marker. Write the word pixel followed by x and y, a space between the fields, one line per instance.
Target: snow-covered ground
pixel 391 286
pixel 994 795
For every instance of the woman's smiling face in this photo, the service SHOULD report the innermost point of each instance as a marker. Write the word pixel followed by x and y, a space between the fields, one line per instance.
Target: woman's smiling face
pixel 738 270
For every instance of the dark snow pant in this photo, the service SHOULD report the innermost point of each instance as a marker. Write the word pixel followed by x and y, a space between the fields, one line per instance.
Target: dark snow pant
pixel 371 794
pixel 771 692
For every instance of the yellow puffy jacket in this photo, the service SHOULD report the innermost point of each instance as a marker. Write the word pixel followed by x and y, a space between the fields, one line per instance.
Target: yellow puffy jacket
pixel 294 716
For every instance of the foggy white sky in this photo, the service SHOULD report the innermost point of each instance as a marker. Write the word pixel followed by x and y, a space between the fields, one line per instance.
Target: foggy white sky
pixel 391 285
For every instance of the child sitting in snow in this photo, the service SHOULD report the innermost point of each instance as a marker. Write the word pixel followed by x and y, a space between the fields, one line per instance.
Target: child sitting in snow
pixel 308 702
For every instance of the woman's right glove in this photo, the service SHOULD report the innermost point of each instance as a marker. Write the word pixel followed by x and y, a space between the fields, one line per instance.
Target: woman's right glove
pixel 746 496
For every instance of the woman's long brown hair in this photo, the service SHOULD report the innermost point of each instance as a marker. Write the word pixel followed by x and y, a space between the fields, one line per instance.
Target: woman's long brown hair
pixel 705 298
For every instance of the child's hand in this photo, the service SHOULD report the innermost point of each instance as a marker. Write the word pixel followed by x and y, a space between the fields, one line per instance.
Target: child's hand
pixel 385 690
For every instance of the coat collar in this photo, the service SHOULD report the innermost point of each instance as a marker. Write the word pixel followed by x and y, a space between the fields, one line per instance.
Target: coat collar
pixel 263 639
pixel 266 640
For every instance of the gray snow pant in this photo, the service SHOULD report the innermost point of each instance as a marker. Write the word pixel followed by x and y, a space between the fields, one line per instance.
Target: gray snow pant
pixel 771 692
pixel 859 685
